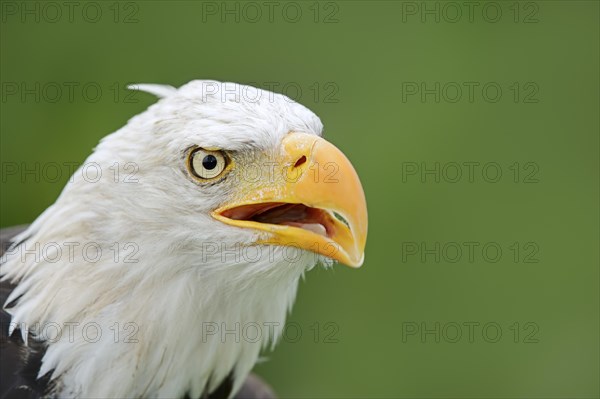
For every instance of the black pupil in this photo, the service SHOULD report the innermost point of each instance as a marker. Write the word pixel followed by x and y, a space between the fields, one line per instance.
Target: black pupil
pixel 209 162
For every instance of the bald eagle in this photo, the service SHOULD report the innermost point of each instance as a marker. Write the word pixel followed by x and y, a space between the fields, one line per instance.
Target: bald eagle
pixel 192 222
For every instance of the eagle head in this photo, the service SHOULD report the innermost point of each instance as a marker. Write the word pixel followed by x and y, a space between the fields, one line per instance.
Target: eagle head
pixel 199 216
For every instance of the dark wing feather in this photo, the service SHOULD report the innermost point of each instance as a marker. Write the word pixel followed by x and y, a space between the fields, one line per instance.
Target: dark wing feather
pixel 19 364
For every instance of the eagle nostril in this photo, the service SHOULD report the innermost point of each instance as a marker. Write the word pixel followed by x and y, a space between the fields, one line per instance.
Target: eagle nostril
pixel 300 161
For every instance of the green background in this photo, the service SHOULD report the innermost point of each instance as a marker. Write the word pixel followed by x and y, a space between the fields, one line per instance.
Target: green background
pixel 353 72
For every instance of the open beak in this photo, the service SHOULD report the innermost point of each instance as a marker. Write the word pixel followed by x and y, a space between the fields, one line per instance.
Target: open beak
pixel 319 204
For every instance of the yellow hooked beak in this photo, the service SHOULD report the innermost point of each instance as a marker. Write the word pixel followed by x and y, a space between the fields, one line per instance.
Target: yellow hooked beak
pixel 317 203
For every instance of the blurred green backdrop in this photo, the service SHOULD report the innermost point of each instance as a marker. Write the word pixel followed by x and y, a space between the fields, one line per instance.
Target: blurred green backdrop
pixel 413 93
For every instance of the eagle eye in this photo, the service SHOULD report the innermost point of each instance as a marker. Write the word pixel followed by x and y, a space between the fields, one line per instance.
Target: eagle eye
pixel 207 164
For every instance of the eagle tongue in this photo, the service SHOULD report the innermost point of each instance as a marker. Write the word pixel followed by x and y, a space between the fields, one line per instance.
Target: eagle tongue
pixel 282 214
pixel 316 228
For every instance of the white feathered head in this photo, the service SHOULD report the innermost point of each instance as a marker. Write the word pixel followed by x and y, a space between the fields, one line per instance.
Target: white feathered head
pixel 204 210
